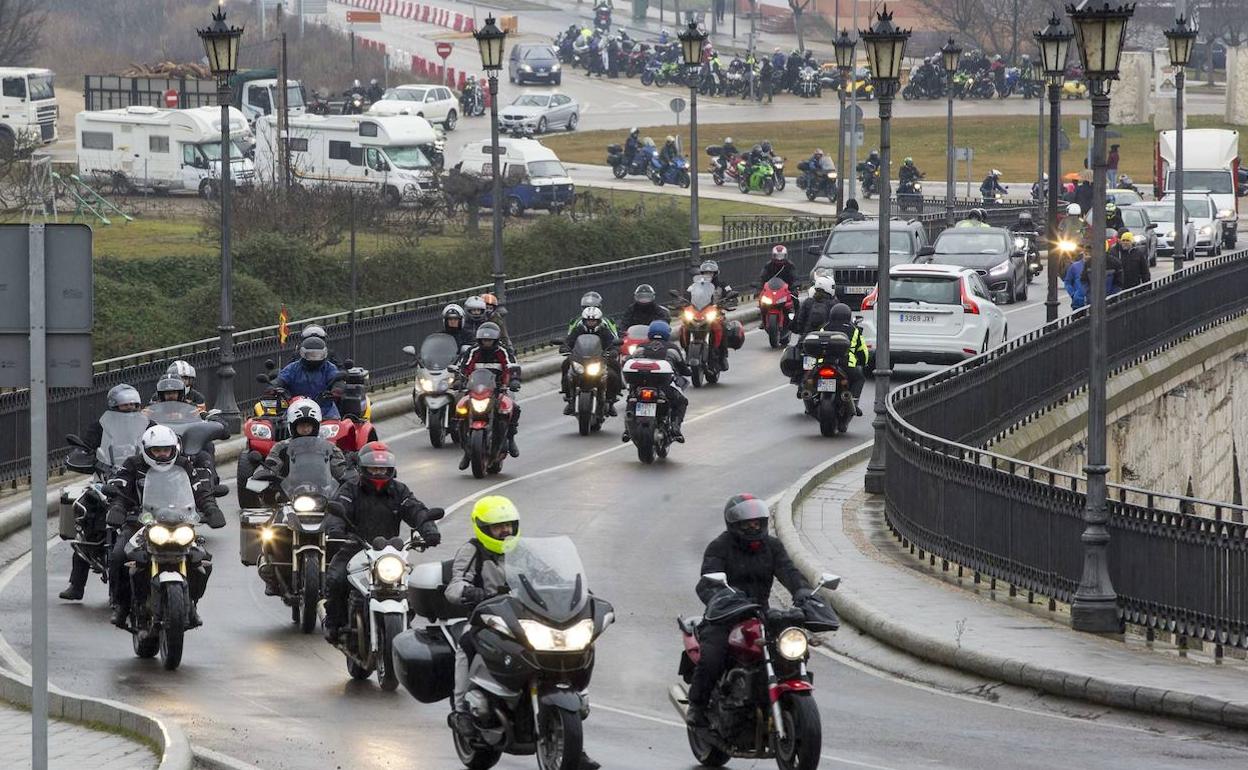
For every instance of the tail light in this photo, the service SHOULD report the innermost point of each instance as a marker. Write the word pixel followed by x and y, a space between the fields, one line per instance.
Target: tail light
pixel 646 394
pixel 827 372
pixel 969 305
pixel 868 302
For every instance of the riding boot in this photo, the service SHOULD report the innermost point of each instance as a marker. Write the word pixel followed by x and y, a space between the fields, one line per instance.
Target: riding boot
pixel 78 574
pixel 587 763
pixel 465 461
pixel 512 449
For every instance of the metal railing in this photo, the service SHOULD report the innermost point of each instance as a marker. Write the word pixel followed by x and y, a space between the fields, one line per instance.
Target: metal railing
pixel 932 218
pixel 1178 564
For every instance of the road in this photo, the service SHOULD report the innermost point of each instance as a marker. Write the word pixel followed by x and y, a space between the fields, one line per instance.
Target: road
pixel 250 685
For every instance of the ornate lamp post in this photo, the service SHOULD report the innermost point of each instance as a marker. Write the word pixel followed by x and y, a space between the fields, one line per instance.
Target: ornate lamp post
pixel 221 47
pixel 1054 42
pixel 1179 38
pixel 950 53
pixel 844 46
pixel 1100 33
pixel 886 47
pixel 490 41
pixel 691 40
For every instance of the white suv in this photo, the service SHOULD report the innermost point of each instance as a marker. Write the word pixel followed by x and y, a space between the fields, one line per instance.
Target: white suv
pixel 435 104
pixel 939 314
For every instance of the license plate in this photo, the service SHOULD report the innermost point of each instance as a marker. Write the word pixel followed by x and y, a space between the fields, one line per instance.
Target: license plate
pixel 808 362
pixel 826 386
pixel 646 410
pixel 857 289
pixel 916 318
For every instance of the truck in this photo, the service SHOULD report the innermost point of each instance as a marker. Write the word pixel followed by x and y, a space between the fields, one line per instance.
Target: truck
pixel 1210 167
pixel 28 111
pixel 394 157
pixel 150 149
pixel 254 92
pixel 533 176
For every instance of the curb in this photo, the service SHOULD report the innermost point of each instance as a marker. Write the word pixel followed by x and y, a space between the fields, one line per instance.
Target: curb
pixel 1066 684
pixel 215 760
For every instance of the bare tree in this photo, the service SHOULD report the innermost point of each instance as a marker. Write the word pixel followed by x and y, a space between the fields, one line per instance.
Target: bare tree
pixel 21 30
pixel 799 7
pixel 994 26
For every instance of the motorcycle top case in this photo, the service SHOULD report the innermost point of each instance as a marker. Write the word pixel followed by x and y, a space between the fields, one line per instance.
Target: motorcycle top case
pixel 734 334
pixel 426 664
pixel 822 343
pixel 615 149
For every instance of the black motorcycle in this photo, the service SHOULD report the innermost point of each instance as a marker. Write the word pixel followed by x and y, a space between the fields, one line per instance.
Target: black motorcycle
pixel 621 167
pixel 587 382
pixel 869 179
pixel 472 102
pixel 817 181
pixel 1025 241
pixel 355 104
pixel 910 196
pixel 647 413
pixel 825 383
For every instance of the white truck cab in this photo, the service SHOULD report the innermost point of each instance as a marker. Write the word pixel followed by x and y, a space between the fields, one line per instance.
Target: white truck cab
pixel 1210 166
pixel 28 111
pixel 260 98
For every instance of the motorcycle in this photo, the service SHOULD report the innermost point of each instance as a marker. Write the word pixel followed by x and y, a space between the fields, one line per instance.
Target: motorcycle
pixel 777 168
pixel 485 410
pixel 435 393
pixel 1025 241
pixel 634 337
pixel 265 427
pixel 319 104
pixel 377 606
pixel 676 172
pixel 651 73
pixel 910 196
pixel 602 18
pixel 620 168
pixel 808 85
pixel 817 181
pixel 354 427
pixel 472 102
pixel 532 659
pixel 1010 82
pixel 355 104
pixel 703 333
pixel 722 169
pixel 761 177
pixel 636 59
pixel 869 179
pixel 825 384
pixel 763 705
pixel 587 382
pixel 647 414
pixel 775 309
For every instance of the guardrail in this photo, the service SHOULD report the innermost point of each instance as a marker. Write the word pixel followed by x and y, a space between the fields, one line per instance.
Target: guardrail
pixel 1178 563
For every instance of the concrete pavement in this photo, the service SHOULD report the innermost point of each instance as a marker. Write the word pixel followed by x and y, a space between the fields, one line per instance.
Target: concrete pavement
pixel 72 746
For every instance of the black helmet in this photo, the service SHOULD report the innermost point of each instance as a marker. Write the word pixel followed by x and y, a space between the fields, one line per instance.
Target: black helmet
pixel 489 331
pixel 852 204
pixel 742 515
pixel 170 384
pixel 840 313
pixel 644 294
pixel 767 147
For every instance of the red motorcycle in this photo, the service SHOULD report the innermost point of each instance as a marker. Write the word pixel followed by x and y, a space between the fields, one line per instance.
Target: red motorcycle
pixel 775 308
pixel 634 337
pixel 486 414
pixel 721 168
pixel 704 334
pixel 354 428
pixel 763 706
pixel 265 427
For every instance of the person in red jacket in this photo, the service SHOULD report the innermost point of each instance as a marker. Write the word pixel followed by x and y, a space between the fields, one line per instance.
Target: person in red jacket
pixel 489 354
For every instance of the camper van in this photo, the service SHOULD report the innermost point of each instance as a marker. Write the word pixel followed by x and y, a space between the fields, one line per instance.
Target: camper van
pixel 394 157
pixel 142 148
pixel 533 176
pixel 27 106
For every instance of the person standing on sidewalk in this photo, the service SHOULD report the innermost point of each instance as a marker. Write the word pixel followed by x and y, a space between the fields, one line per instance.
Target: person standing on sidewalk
pixel 1111 166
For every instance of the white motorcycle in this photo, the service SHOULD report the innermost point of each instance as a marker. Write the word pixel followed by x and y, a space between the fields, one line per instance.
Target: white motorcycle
pixel 434 395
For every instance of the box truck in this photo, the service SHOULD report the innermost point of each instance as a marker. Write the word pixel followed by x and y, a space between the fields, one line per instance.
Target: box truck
pixel 1210 167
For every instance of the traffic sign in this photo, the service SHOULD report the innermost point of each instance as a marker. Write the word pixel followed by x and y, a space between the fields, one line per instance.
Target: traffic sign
pixel 363 17
pixel 964 153
pixel 677 105
pixel 67 283
pixel 444 50
pixel 171 98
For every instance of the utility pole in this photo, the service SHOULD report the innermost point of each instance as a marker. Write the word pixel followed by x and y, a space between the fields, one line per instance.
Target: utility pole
pixel 283 117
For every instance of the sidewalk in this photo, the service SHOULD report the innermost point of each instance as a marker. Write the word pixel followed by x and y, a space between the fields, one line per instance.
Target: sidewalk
pixel 71 746
pixel 902 601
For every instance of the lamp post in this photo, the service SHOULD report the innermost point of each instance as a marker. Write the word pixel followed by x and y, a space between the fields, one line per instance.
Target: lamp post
pixel 691 40
pixel 1179 39
pixel 1054 42
pixel 950 53
pixel 1099 33
pixel 844 46
pixel 490 41
pixel 1036 75
pixel 221 47
pixel 886 46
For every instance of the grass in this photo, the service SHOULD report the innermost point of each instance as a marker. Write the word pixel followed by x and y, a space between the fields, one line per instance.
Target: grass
pixel 1007 143
pixel 710 210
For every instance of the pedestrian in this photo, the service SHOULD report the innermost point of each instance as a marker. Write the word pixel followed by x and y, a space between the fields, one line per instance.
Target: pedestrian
pixel 720 9
pixel 1134 261
pixel 1111 166
pixel 1076 289
pixel 1083 196
pixel 766 77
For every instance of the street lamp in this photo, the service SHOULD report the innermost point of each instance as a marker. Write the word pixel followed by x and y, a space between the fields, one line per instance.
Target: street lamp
pixel 950 54
pixel 1179 38
pixel 1100 33
pixel 691 40
pixel 886 46
pixel 844 46
pixel 490 41
pixel 221 48
pixel 1054 42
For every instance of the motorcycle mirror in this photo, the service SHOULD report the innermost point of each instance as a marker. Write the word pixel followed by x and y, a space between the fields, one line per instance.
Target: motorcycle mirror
pixel 262 378
pixel 410 350
pixel 73 440
pixel 220 491
pixel 814 251
pixel 829 581
pixel 716 577
pixel 268 364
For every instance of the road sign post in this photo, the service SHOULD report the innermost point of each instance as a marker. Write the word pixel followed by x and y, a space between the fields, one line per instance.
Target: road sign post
pixel 677 105
pixel 967 154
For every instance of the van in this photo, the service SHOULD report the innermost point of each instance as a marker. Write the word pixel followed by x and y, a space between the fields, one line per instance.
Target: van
pixel 389 156
pixel 1210 167
pixel 533 176
pixel 150 149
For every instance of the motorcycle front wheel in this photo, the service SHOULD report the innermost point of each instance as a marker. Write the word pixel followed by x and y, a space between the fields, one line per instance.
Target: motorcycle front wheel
pixel 779 183
pixel 476 452
pixel 437 433
pixel 173 624
pixel 801 746
pixel 387 674
pixel 310 576
pixel 773 329
pixel 584 413
pixel 560 737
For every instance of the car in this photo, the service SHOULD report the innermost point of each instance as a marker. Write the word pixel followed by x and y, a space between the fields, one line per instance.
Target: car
pixel 938 314
pixel 435 104
pixel 1210 235
pixel 1123 196
pixel 534 64
pixel 849 255
pixel 990 252
pixel 1144 229
pixel 538 112
pixel 1162 212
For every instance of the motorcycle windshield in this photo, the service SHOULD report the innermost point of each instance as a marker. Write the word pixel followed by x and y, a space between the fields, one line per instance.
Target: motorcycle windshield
pixel 309 474
pixel 177 415
pixel 546 575
pixel 586 347
pixel 122 431
pixel 776 284
pixel 701 295
pixel 638 332
pixel 168 499
pixel 438 351
pixel 481 381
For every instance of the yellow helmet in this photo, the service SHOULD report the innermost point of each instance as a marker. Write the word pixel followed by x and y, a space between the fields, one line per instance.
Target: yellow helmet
pixel 495 509
pixel 1126 237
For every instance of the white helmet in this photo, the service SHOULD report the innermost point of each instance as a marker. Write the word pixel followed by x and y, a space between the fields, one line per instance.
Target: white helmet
pixel 1073 210
pixel 181 369
pixel 996 173
pixel 475 308
pixel 780 253
pixel 592 314
pixel 825 283
pixel 160 447
pixel 303 409
pixel 312 330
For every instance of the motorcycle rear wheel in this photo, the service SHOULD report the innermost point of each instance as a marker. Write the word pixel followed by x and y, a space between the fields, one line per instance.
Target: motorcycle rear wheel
pixel 802 744
pixel 827 415
pixel 696 376
pixel 811 193
pixel 173 625
pixel 559 740
pixel 706 754
pixel 310 569
pixel 645 447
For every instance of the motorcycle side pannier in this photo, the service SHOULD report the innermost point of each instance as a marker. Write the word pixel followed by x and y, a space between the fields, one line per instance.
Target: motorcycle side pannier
pixel 67 526
pixel 249 526
pixel 614 149
pixel 714 150
pixel 426 664
pixel 734 334
pixel 791 362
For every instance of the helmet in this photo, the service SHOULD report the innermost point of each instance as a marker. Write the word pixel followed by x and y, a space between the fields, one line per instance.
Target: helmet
pixel 974 214
pixel 670 140
pixel 591 299
pixel 313 350
pixel 644 294
pixel 372 81
pixel 1024 217
pixel 1073 210
pixel 489 512
pixel 1110 207
pixel 840 313
pixel 648 142
pixel 996 173
pixel 825 284
pixel 1045 176
pixel 489 331
pixel 475 308
pixel 160 447
pixel 742 516
pixel 377 465
pixel 818 152
pixel 779 253
pixel 874 153
pixel 169 384
pixel 312 330
pixel 591 317
pixel 709 266
pixel 303 410
pixel 123 395
pixel 1126 237
pixel 491 302
pixel 728 139
pixel 757 149
pixel 183 370
pixel 767 147
pixel 852 204
pixel 355 83
pixel 908 161
pixel 453 311
pixel 634 131
pixel 659 330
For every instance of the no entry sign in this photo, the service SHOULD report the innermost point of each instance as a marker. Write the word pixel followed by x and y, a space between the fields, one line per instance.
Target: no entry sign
pixel 444 50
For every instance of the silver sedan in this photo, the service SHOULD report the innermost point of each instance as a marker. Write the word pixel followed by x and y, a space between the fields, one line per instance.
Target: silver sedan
pixel 540 112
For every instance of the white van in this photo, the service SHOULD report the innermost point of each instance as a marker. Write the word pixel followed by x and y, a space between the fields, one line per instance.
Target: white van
pixel 152 149
pixel 1210 167
pixel 533 176
pixel 28 110
pixel 393 157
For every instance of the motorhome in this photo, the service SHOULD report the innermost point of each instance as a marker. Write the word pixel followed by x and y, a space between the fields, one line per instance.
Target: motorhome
pixel 151 149
pixel 393 157
pixel 1210 167
pixel 533 176
pixel 28 111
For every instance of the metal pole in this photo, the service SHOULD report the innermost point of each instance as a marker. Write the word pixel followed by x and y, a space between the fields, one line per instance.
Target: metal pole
pixel 840 151
pixel 1040 151
pixel 352 36
pixel 283 117
pixel 1055 150
pixel 950 192
pixel 260 9
pixel 852 170
pixel 1095 605
pixel 225 371
pixel 354 280
pixel 1180 213
pixel 500 275
pixel 874 481
pixel 38 504
pixel 301 19
pixel 695 233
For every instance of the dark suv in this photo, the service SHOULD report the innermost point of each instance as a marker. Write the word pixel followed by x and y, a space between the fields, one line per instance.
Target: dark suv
pixel 850 255
pixel 534 64
pixel 989 251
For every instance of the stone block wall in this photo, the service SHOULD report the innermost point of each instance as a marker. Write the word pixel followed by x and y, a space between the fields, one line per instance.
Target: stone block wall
pixel 1237 86
pixel 1129 103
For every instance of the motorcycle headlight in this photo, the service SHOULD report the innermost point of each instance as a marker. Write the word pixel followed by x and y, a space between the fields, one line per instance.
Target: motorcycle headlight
pixel 712 314
pixel 593 369
pixel 389 569
pixel 688 314
pixel 304 504
pixel 578 367
pixel 158 535
pixel 1020 243
pixel 1000 269
pixel 1065 245
pixel 261 431
pixel 480 404
pixel 1225 213
pixel 184 534
pixel 544 638
pixel 792 644
pixel 766 300
pixel 426 384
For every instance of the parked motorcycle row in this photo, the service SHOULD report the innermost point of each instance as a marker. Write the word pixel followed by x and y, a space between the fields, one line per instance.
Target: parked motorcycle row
pixel 981 77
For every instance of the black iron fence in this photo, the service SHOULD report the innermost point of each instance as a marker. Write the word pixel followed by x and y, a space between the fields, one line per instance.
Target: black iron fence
pixel 1178 563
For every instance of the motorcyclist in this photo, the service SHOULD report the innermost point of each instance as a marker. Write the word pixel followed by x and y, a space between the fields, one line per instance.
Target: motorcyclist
pixel 593 299
pixel 170 388
pixel 375 91
pixel 1113 216
pixel 975 218
pixel 488 353
pixel 160 452
pixel 840 319
pixel 631 145
pixel 316 330
pixel 372 506
pixel 751 560
pixel 1040 189
pixel 659 346
pixel 908 172
pixel 1024 224
pixel 475 312
pixel 991 187
pixel 303 417
pixel 709 269
pixel 184 371
pixel 669 153
pixel 592 323
pixel 453 324
pixel 850 213
pixel 727 151
pixel 311 375
pixel 644 309
pixel 817 310
pixel 779 266
pixel 752 159
pixel 496 313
